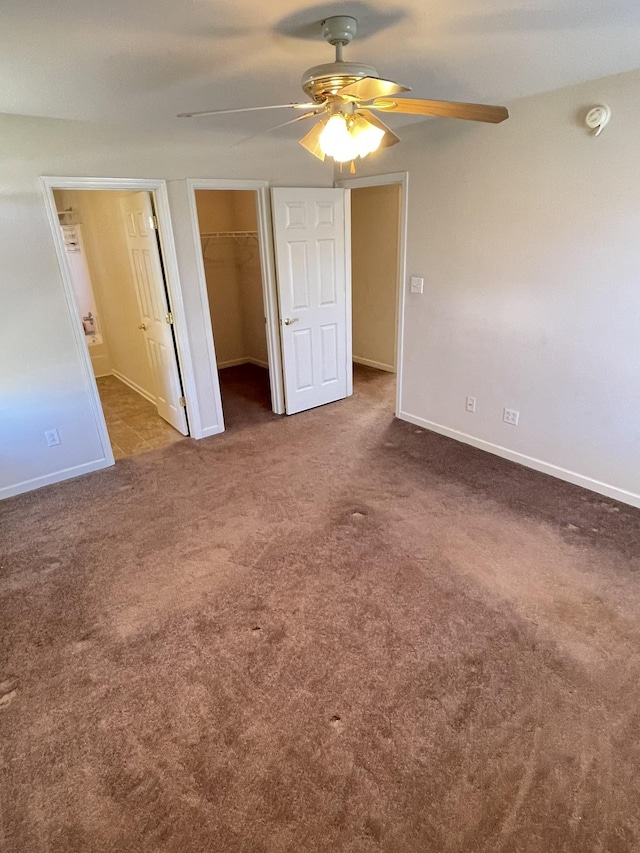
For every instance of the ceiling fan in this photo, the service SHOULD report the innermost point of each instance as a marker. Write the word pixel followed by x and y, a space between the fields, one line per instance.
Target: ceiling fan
pixel 345 95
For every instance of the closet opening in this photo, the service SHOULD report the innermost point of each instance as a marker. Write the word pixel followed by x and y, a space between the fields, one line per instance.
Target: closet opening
pixel 231 255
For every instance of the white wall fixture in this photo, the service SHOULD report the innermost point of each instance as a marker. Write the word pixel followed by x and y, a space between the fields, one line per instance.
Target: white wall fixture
pixel 597 118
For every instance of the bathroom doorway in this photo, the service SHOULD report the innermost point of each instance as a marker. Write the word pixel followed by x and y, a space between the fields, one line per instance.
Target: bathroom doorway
pixel 117 272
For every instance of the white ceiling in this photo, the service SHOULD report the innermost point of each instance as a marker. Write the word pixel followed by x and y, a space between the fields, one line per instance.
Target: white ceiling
pixel 142 61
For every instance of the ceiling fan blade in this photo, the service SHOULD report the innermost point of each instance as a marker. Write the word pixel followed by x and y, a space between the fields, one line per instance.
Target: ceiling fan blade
pixel 444 109
pixel 294 120
pixel 278 126
pixel 312 140
pixel 247 110
pixel 389 137
pixel 371 87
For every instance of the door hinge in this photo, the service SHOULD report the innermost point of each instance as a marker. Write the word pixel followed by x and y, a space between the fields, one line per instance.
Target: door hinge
pixel 153 222
pixel 169 317
pixel 183 402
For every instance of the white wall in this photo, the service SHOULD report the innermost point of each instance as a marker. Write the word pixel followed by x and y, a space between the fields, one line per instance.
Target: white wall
pixel 374 274
pixel 527 234
pixel 42 381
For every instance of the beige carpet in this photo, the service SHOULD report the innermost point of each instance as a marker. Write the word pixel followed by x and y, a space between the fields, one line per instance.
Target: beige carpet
pixel 330 632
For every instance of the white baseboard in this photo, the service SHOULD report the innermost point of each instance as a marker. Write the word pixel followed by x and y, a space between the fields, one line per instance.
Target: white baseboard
pixel 236 362
pixel 134 386
pixel 212 430
pixel 377 364
pixel 56 477
pixel 576 479
pixel 232 362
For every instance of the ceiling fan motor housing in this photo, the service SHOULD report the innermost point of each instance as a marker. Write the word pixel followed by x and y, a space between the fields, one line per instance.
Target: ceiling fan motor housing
pixel 323 80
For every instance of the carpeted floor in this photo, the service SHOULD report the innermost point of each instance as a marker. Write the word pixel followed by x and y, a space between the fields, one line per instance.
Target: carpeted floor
pixel 330 632
pixel 246 397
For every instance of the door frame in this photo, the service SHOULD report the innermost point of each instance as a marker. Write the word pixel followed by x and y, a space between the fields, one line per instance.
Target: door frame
pixel 158 190
pixel 267 268
pixel 402 179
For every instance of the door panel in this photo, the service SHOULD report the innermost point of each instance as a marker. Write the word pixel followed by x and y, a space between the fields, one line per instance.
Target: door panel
pixel 310 241
pixel 303 353
pixel 149 284
pixel 329 350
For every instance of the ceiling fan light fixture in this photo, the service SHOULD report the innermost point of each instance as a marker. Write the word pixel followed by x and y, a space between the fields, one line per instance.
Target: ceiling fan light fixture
pixel 345 138
pixel 336 141
pixel 367 136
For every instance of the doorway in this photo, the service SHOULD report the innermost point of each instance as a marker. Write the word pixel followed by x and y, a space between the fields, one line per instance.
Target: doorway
pixel 378 209
pixel 233 262
pixel 117 274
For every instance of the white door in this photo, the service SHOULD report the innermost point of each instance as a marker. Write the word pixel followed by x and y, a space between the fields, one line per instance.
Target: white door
pixel 155 320
pixel 310 241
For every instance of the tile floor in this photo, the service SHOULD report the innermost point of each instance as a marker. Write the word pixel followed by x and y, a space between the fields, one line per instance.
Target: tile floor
pixel 133 423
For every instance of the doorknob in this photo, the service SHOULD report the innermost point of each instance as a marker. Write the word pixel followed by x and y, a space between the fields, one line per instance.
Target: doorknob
pixel 291 320
pixel 142 326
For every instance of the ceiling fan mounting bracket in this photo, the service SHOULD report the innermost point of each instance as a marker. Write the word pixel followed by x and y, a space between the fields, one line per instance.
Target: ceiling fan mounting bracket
pixel 339 29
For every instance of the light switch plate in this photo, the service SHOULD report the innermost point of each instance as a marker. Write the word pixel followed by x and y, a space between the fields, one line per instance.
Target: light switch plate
pixel 417 284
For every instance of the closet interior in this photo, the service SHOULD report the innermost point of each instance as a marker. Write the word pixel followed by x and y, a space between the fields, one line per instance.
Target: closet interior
pixel 228 226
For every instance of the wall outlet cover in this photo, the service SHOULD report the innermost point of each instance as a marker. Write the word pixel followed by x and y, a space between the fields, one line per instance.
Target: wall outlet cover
pixel 511 416
pixel 52 437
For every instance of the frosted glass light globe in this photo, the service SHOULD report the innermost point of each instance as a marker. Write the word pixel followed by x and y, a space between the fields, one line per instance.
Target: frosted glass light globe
pixel 336 141
pixel 367 136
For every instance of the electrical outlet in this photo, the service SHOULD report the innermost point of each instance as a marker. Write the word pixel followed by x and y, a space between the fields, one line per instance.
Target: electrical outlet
pixel 52 437
pixel 470 405
pixel 511 416
pixel 417 284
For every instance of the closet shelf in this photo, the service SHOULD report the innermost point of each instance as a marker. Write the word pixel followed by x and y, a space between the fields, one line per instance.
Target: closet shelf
pixel 246 243
pixel 228 234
